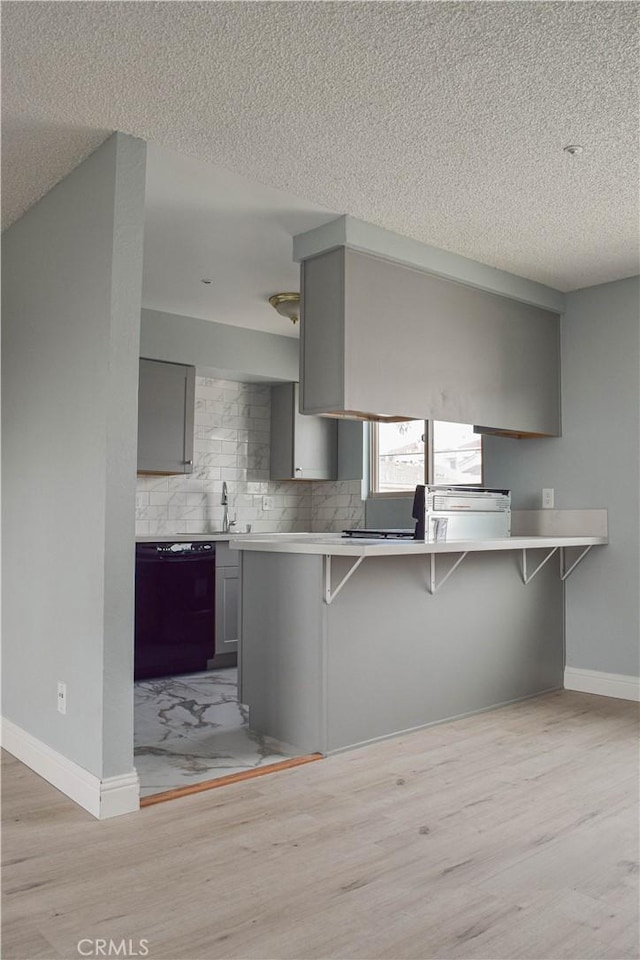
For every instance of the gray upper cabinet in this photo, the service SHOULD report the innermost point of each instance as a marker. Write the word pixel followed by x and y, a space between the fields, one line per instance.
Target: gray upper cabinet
pixel 351 449
pixel 166 404
pixel 383 340
pixel 302 448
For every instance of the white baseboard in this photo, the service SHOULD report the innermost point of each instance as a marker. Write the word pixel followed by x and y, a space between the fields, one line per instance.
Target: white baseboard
pixel 102 798
pixel 119 795
pixel 616 685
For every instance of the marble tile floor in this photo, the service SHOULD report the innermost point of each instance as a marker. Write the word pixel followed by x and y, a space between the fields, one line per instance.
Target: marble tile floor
pixel 189 729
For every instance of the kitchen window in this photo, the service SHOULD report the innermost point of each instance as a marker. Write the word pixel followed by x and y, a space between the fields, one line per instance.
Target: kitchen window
pixel 423 451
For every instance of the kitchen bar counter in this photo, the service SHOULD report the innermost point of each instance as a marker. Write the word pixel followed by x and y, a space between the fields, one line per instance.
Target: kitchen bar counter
pixel 333 544
pixel 338 650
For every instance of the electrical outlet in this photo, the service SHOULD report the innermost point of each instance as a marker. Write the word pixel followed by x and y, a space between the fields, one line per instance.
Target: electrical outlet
pixel 547 498
pixel 267 503
pixel 62 697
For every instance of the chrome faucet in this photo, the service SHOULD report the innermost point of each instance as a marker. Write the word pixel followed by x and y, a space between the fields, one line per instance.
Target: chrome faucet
pixel 227 525
pixel 224 500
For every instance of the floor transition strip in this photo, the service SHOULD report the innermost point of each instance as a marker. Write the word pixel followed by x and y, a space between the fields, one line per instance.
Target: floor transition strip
pixel 225 781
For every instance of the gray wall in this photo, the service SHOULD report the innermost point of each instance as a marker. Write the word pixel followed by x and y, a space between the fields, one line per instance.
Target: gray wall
pixel 71 305
pixel 593 464
pixel 218 349
pixel 389 512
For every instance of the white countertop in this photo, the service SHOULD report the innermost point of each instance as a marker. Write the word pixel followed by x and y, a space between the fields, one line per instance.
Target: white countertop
pixel 333 544
pixel 190 537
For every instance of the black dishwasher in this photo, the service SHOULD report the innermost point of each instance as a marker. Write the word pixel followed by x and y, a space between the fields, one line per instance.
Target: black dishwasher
pixel 175 608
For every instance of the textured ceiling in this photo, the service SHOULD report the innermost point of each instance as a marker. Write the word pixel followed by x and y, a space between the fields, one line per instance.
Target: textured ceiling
pixel 441 121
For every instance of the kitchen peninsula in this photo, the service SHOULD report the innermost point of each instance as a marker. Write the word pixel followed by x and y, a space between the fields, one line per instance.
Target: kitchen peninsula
pixel 346 642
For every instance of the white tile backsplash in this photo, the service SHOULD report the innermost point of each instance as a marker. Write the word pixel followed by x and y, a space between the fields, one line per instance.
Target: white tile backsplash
pixel 232 438
pixel 336 506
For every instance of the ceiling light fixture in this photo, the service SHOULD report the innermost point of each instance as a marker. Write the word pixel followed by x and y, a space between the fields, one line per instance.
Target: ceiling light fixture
pixel 287 305
pixel 574 149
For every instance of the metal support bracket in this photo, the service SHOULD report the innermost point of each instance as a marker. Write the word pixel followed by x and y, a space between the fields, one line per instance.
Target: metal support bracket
pixel 433 587
pixel 528 577
pixel 329 594
pixel 564 571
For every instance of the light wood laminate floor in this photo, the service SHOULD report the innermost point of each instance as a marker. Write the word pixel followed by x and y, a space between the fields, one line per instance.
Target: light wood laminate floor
pixel 505 835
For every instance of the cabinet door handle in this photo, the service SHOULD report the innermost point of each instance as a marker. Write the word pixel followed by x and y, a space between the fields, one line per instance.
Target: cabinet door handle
pixel 298 469
pixel 188 463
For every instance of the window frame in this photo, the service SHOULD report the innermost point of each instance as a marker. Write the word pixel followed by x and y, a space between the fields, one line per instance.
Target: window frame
pixel 429 462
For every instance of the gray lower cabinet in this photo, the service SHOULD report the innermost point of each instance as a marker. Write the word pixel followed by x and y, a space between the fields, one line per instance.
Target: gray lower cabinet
pixel 227 612
pixel 166 405
pixel 302 447
pixel 227 600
